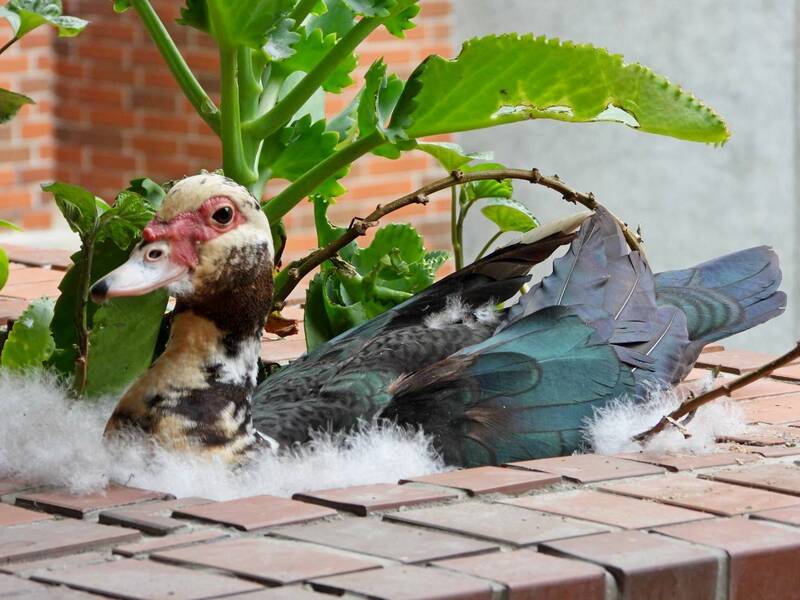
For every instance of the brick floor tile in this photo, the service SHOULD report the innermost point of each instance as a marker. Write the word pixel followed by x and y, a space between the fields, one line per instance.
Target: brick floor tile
pixel 408 583
pixel 763 558
pixel 588 468
pixel 34 275
pixel 13 515
pixel 648 565
pixel 766 435
pixel 773 410
pixel 496 522
pixel 763 388
pixel 781 478
pixel 11 309
pixel 52 564
pixel 143 579
pixel 790 372
pixel 32 291
pixel 734 361
pixel 268 560
pixel 12 485
pixel 170 542
pixel 79 505
pixel 388 540
pixel 700 494
pixel 38 256
pixel 54 538
pixel 771 451
pixel 288 592
pixel 13 586
pixel 151 517
pixel 608 509
pixel 535 575
pixel 689 462
pixel 788 516
pixel 712 348
pixel 362 499
pixel 257 512
pixel 488 480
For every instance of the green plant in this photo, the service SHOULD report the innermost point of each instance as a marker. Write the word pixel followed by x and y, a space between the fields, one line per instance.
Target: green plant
pixel 278 59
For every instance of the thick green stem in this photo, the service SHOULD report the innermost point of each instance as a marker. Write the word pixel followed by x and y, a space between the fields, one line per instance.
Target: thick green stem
pixel 269 123
pixel 234 162
pixel 488 244
pixel 281 204
pixel 194 92
pixel 301 11
pixel 81 318
pixel 455 238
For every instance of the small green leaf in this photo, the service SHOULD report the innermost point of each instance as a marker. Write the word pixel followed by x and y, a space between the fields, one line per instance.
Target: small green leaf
pixel 509 78
pixel 395 235
pixel 509 215
pixel 123 222
pixel 310 49
pixel 451 156
pixel 76 204
pixel 120 6
pixel 299 147
pixel 377 99
pixel 194 14
pixel 402 18
pixel 122 340
pixel 487 188
pixel 371 8
pixel 9 225
pixel 152 191
pixel 29 342
pixel 281 39
pixel 338 19
pixel 241 22
pixel 30 14
pixel 10 103
pixel 345 123
pixel 4 268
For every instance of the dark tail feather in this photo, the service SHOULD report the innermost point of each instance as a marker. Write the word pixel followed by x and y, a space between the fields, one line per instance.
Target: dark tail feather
pixel 724 296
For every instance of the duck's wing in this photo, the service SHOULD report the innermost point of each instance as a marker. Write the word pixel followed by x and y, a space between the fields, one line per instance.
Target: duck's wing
pixel 346 378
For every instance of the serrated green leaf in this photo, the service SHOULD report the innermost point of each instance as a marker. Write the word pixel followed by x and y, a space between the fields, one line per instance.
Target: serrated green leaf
pixel 30 14
pixel 371 8
pixel 338 18
pixel 509 215
pixel 299 147
pixel 434 259
pixel 194 14
pixel 10 103
pixel 152 191
pixel 123 222
pixel 9 225
pixel 281 39
pixel 242 22
pixel 29 342
pixel 395 235
pixel 346 122
pixel 377 99
pixel 509 78
pixel 402 18
pixel 310 49
pixel 76 204
pixel 451 156
pixel 4 268
pixel 120 6
pixel 131 324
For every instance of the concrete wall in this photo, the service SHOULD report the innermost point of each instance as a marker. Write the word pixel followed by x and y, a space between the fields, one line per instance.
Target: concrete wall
pixel 693 201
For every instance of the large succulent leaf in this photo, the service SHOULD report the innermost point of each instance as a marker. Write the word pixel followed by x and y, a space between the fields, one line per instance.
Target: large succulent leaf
pixel 29 342
pixel 10 103
pixel 509 215
pixel 78 205
pixel 122 340
pixel 26 15
pixel 509 78
pixel 310 49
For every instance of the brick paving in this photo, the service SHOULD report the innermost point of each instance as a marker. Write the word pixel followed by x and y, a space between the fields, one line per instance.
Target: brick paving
pixel 638 525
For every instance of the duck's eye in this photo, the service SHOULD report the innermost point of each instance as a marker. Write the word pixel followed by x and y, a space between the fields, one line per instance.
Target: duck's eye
pixel 154 254
pixel 223 215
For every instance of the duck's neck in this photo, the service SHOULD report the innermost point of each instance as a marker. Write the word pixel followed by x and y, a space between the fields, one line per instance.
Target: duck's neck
pixel 197 394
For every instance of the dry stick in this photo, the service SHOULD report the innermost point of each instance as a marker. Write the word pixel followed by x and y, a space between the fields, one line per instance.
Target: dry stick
pixel 358 227
pixel 724 390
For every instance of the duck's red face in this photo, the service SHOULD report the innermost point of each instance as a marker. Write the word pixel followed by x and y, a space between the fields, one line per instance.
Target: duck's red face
pixel 205 224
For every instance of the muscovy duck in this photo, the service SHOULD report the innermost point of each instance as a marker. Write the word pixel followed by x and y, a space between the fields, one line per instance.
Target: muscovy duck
pixel 490 384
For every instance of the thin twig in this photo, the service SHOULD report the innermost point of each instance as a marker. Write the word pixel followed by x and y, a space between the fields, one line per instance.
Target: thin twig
pixel 300 268
pixel 8 44
pixel 726 389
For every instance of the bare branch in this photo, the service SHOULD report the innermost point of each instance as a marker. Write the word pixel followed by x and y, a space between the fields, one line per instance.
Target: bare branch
pixel 724 390
pixel 300 268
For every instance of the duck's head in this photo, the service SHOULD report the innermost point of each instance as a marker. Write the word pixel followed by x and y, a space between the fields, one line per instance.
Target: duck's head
pixel 209 238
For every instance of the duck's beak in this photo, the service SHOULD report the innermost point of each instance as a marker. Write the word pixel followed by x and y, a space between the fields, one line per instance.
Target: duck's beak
pixel 148 268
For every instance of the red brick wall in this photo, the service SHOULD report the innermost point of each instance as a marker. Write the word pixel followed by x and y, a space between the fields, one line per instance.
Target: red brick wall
pixel 27 144
pixel 119 115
